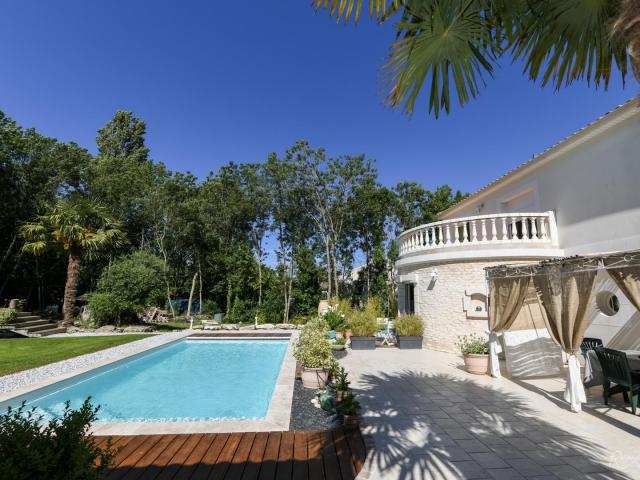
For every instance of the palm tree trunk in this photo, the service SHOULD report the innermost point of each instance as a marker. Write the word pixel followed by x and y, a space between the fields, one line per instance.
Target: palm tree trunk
pixel 71 288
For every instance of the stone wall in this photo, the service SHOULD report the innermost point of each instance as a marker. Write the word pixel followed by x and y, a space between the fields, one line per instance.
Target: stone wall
pixel 441 301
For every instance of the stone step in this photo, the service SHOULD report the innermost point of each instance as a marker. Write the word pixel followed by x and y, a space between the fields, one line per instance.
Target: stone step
pixel 21 320
pixel 51 331
pixel 31 323
pixel 38 328
pixel 24 314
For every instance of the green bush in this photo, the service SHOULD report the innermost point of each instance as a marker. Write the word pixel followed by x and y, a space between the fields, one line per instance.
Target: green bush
pixel 314 349
pixel 374 308
pixel 472 344
pixel 409 326
pixel 335 321
pixel 132 283
pixel 7 315
pixel 362 324
pixel 62 449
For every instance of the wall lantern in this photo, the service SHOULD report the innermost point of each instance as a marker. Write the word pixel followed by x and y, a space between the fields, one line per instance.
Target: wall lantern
pixel 434 273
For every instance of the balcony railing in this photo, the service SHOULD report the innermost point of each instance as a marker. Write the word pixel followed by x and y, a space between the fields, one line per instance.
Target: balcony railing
pixel 498 230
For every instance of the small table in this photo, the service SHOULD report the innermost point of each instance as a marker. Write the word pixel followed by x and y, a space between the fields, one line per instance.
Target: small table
pixel 593 370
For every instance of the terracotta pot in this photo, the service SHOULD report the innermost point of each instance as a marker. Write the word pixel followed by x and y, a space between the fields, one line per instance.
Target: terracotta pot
pixel 348 334
pixel 341 394
pixel 314 377
pixel 339 334
pixel 478 364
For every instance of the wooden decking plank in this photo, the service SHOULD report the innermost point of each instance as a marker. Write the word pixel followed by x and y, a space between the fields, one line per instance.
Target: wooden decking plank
pixel 344 454
pixel 210 457
pixel 329 457
pixel 135 456
pixel 252 468
pixel 316 468
pixel 356 445
pixel 300 456
pixel 193 460
pixel 285 457
pixel 225 457
pixel 270 457
pixel 149 458
pixel 101 442
pixel 239 460
pixel 164 458
pixel 125 446
pixel 181 455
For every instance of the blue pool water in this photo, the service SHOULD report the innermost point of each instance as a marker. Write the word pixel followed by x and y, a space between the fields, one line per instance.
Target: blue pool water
pixel 186 380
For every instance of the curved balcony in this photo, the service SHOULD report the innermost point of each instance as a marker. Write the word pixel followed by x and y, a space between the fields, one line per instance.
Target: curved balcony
pixel 501 235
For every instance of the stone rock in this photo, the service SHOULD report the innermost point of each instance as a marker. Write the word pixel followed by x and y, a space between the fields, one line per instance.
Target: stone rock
pixel 229 326
pixel 74 329
pixel 247 327
pixel 138 329
pixel 108 329
pixel 265 326
pixel 286 326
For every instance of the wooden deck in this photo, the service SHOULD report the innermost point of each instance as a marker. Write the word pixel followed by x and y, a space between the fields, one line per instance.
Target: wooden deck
pixel 300 455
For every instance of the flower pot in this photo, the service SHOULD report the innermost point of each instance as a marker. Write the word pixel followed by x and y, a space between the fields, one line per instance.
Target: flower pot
pixel 409 343
pixel 314 377
pixel 335 346
pixel 341 394
pixel 363 343
pixel 348 334
pixel 478 364
pixel 339 335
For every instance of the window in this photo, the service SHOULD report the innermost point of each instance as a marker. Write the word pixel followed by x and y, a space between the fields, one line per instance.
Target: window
pixel 608 303
pixel 409 298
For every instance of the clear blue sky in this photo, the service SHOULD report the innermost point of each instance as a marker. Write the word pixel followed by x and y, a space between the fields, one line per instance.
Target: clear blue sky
pixel 220 81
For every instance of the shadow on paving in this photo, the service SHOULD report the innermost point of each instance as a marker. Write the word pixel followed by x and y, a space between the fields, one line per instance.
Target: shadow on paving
pixel 434 426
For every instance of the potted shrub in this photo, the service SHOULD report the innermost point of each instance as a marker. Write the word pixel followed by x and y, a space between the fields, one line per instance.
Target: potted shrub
pixel 409 331
pixel 474 351
pixel 363 327
pixel 335 322
pixel 341 383
pixel 339 344
pixel 349 409
pixel 313 353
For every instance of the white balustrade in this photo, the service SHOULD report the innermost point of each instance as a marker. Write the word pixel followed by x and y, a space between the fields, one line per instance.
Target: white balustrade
pixel 513 228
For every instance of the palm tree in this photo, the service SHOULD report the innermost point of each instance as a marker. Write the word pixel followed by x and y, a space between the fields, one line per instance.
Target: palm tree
pixel 454 44
pixel 82 228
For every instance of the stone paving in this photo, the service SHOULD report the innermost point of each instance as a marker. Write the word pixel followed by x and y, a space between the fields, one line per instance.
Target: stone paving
pixel 426 418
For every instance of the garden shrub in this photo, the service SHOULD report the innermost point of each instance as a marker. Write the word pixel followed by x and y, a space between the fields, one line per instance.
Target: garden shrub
pixel 7 315
pixel 362 324
pixel 335 321
pixel 61 449
pixel 314 349
pixel 409 326
pixel 472 344
pixel 132 283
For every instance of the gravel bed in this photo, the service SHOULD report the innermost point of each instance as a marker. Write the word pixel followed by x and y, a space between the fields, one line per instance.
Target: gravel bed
pixel 14 381
pixel 305 416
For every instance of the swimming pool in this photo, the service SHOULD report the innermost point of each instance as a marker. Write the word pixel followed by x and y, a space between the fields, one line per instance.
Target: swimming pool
pixel 188 380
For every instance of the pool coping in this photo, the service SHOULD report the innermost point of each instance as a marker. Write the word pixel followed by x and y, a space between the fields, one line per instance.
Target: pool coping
pixel 278 415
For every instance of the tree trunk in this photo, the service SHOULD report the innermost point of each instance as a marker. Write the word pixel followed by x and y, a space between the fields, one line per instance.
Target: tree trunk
pixel 200 283
pixel 71 288
pixel 193 289
pixel 7 254
pixel 328 250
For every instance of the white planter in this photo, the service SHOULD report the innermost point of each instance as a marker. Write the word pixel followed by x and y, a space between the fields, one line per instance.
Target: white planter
pixel 314 377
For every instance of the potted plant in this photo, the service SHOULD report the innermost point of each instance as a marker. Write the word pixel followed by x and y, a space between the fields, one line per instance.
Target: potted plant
pixel 474 352
pixel 349 409
pixel 341 383
pixel 363 327
pixel 409 331
pixel 339 344
pixel 313 353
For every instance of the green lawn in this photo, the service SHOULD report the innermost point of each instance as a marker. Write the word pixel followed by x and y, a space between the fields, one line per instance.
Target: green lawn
pixel 23 353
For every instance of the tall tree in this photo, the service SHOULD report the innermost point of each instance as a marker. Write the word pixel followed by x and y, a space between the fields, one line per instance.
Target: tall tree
pixel 453 45
pixel 81 228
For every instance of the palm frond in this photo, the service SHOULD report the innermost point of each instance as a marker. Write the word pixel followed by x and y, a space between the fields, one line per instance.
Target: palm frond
pixel 345 9
pixel 627 26
pixel 444 43
pixel 570 40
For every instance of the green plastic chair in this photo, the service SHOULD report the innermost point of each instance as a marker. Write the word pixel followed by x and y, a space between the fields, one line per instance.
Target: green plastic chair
pixel 590 344
pixel 615 369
